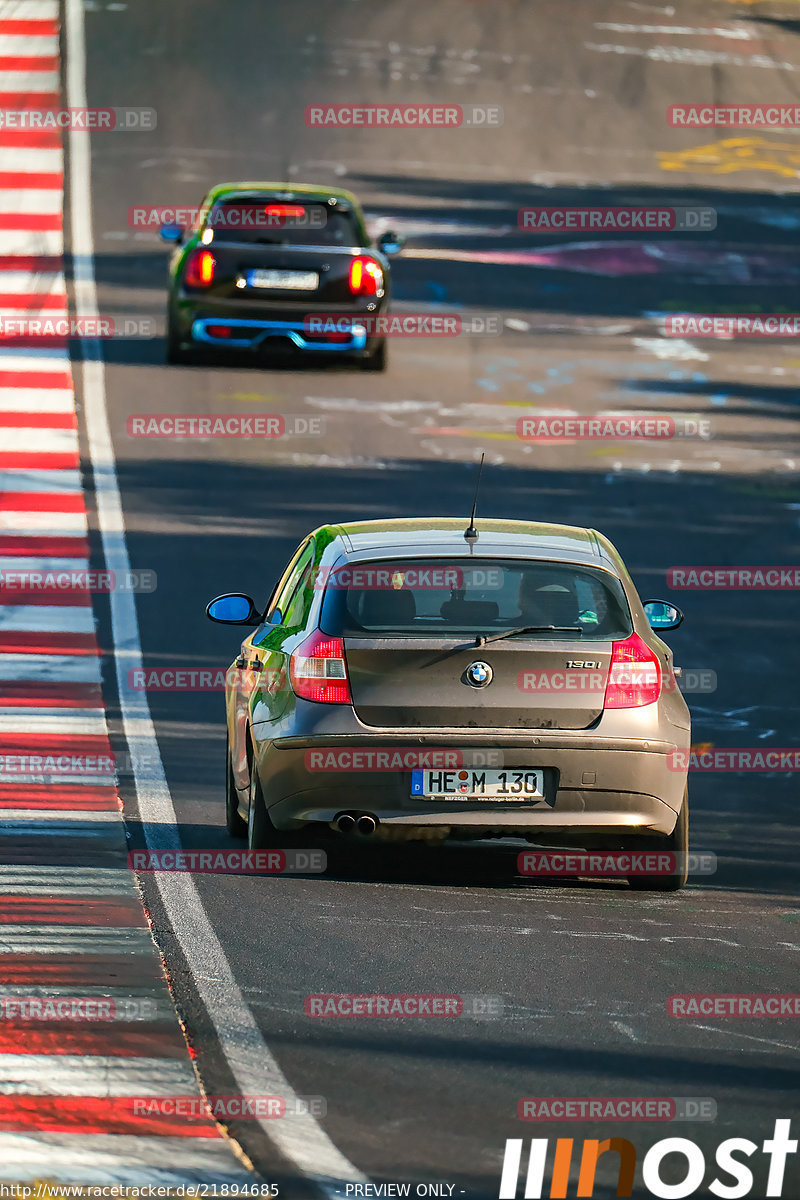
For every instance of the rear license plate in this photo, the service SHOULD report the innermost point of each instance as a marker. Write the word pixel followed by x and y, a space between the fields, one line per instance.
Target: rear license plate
pixel 288 281
pixel 480 784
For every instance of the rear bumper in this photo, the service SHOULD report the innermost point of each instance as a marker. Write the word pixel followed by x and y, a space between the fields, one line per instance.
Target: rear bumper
pixel 258 326
pixel 254 334
pixel 591 791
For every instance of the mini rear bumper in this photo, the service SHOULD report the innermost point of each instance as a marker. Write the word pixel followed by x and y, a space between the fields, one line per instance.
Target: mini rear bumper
pixel 593 790
pixel 256 325
pixel 252 334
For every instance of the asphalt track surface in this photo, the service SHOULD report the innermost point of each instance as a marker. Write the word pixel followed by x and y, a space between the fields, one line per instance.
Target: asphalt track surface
pixel 584 970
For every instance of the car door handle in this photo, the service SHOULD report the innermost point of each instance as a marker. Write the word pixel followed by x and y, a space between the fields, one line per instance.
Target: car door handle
pixel 677 672
pixel 240 663
pixel 256 665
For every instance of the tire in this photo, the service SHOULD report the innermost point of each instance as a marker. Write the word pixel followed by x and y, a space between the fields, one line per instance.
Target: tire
pixel 259 826
pixel 678 843
pixel 234 824
pixel 377 361
pixel 176 354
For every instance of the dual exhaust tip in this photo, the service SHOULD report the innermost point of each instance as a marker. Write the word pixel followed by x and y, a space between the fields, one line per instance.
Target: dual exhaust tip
pixel 348 823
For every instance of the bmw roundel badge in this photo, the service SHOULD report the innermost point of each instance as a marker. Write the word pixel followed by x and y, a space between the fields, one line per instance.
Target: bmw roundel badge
pixel 478 674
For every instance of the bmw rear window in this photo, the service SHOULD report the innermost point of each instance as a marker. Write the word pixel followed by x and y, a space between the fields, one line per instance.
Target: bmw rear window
pixel 473 596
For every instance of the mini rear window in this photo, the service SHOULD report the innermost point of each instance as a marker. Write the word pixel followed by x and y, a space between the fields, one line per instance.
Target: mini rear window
pixel 286 223
pixel 474 596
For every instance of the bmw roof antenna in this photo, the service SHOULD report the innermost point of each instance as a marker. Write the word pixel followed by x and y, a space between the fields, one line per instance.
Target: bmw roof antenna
pixel 471 533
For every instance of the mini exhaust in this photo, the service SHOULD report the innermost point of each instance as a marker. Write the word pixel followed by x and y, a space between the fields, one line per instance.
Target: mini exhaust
pixel 346 823
pixel 366 825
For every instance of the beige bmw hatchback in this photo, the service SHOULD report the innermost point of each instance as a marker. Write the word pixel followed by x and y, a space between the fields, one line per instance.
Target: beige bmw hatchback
pixel 413 680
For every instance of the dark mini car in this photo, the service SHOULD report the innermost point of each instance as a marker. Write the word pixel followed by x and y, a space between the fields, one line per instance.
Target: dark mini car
pixel 408 679
pixel 272 269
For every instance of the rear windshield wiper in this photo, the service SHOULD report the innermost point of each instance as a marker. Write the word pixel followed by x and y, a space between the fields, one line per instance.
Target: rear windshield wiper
pixel 482 640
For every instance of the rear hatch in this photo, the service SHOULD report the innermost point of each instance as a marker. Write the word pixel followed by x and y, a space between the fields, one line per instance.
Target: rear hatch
pixel 299 258
pixel 411 632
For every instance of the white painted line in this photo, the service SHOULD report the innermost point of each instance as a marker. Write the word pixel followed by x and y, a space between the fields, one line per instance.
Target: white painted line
pixel 25 358
pixel 44 441
pixel 254 1069
pixel 94 1075
pixel 29 283
pixel 50 668
pixel 121 1159
pixel 38 400
pixel 28 45
pixel 25 241
pixel 26 880
pixel 47 618
pixel 33 563
pixel 144 992
pixel 72 939
pixel 42 524
pixel 89 721
pixel 34 479
pixel 8 310
pixel 41 820
pixel 13 777
pixel 30 81
pixel 30 200
pixel 28 10
pixel 31 158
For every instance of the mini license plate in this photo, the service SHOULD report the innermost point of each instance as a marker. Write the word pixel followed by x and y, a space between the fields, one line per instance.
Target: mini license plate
pixel 289 281
pixel 478 784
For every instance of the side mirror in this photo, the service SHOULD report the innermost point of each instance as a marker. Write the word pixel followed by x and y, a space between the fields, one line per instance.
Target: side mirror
pixel 234 608
pixel 662 615
pixel 391 243
pixel 171 233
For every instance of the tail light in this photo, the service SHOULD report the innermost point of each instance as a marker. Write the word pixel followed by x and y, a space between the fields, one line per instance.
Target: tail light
pixel 634 677
pixel 318 671
pixel 283 214
pixel 366 277
pixel 200 269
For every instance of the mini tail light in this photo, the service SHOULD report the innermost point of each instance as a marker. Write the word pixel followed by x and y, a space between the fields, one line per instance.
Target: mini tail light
pixel 318 671
pixel 200 269
pixel 634 677
pixel 366 277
